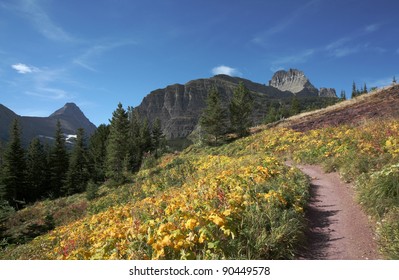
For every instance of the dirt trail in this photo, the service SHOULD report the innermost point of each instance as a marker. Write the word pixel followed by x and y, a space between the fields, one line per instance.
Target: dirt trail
pixel 338 228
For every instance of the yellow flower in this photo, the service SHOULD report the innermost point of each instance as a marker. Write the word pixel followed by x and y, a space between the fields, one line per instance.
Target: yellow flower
pixel 166 241
pixel 216 219
pixel 191 224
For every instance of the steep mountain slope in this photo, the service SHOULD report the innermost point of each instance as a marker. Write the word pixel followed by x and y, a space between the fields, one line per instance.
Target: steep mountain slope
pixel 70 116
pixel 179 106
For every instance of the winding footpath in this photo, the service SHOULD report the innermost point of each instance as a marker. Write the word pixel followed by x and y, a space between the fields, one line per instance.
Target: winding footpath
pixel 338 228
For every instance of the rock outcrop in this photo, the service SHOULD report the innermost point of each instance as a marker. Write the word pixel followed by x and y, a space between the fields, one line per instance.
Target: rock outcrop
pixel 327 92
pixel 293 81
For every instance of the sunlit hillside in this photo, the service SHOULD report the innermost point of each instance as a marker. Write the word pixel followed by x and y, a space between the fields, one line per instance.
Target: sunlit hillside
pixel 235 201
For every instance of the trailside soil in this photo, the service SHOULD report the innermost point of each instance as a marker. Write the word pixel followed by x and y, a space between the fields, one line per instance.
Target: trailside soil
pixel 338 228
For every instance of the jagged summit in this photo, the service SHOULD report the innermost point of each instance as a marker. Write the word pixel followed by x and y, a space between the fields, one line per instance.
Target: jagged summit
pixel 292 80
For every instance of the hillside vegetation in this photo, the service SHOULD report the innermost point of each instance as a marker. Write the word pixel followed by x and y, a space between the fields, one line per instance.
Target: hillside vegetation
pixel 236 201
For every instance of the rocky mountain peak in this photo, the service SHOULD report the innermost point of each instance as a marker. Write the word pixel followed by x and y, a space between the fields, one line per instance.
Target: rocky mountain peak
pixel 292 80
pixel 69 109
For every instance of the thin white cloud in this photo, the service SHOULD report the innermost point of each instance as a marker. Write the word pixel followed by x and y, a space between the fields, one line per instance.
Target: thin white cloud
pixel 296 58
pixel 34 12
pixel 84 59
pixel 345 51
pixel 345 46
pixel 49 93
pixel 371 28
pixel 283 24
pixel 226 70
pixel 24 69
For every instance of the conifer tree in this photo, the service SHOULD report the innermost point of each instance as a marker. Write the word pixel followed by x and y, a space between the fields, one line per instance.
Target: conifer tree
pixel 365 88
pixel 272 114
pixel 117 148
pixel 241 106
pixel 158 138
pixel 78 173
pixel 354 90
pixel 98 152
pixel 214 117
pixel 14 168
pixel 145 137
pixel 58 162
pixel 36 170
pixel 135 151
pixel 343 95
pixel 295 106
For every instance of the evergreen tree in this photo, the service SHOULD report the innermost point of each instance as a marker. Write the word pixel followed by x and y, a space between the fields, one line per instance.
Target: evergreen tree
pixel 145 137
pixel 135 151
pixel 343 95
pixel 394 80
pixel 14 168
pixel 58 163
pixel 272 114
pixel 241 106
pixel 36 170
pixel 214 117
pixel 364 88
pixel 98 152
pixel 91 190
pixel 354 90
pixel 295 106
pixel 117 148
pixel 158 138
pixel 78 172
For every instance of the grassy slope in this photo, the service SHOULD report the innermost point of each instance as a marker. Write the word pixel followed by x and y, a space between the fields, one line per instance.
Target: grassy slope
pixel 230 202
pixel 238 200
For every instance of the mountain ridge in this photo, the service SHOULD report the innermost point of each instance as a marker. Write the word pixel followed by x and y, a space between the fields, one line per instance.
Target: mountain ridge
pixel 179 106
pixel 70 116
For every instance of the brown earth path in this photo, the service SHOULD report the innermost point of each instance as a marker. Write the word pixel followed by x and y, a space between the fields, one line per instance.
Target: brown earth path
pixel 338 228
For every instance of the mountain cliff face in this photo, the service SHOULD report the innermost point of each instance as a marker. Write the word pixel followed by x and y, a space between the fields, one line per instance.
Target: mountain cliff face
pixel 296 82
pixel 292 80
pixel 179 107
pixel 70 116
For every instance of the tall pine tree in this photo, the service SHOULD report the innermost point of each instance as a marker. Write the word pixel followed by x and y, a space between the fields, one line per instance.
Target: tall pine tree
pixel 78 172
pixel 241 106
pixel 295 106
pixel 158 138
pixel 117 149
pixel 354 90
pixel 214 117
pixel 59 163
pixel 98 153
pixel 135 150
pixel 36 171
pixel 145 137
pixel 14 168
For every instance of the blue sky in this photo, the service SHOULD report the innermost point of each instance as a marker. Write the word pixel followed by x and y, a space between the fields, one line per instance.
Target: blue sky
pixel 97 53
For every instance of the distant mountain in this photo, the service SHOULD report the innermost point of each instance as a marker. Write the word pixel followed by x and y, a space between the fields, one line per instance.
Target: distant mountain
pixel 296 82
pixel 70 116
pixel 179 106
